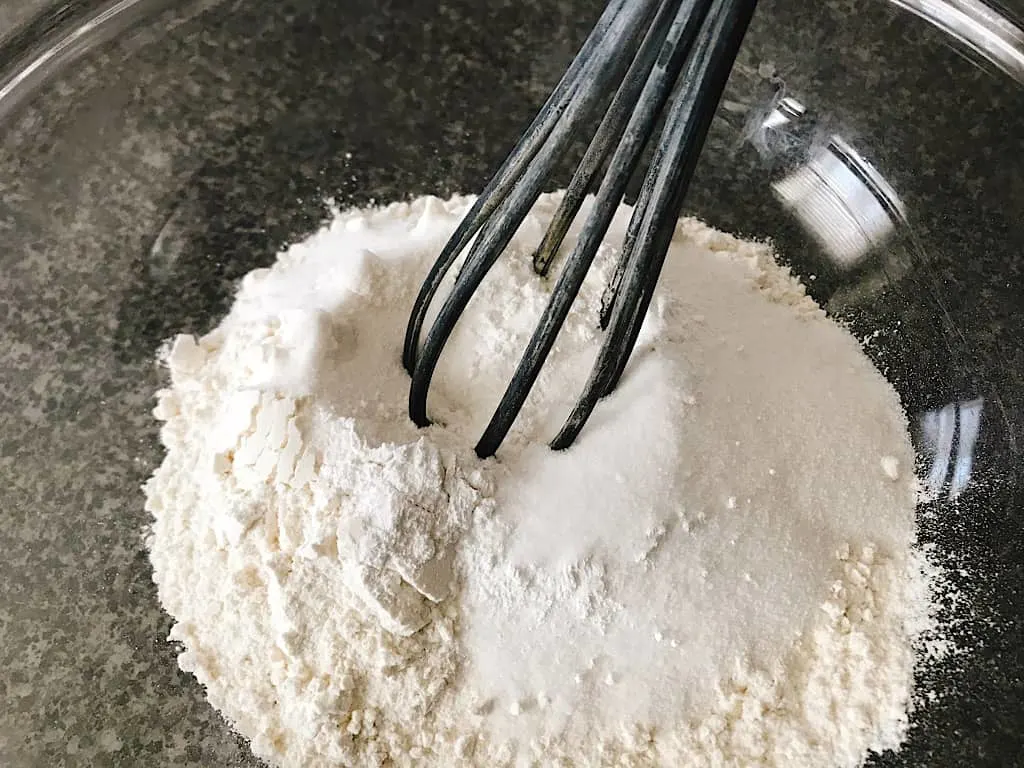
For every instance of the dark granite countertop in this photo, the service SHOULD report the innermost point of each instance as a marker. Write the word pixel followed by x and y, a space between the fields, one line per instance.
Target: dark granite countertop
pixel 139 187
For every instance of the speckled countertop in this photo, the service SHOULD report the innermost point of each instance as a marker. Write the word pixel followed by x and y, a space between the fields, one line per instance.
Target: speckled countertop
pixel 159 169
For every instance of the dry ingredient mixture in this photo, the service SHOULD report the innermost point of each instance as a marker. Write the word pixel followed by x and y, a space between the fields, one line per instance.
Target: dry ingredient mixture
pixel 721 571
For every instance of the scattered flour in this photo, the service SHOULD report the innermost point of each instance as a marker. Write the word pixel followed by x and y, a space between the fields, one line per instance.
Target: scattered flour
pixel 721 571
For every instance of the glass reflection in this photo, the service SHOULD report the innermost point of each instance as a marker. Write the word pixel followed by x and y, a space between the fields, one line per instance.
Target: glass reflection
pixel 970 424
pixel 979 26
pixel 788 109
pixel 948 436
pixel 842 201
pixel 775 130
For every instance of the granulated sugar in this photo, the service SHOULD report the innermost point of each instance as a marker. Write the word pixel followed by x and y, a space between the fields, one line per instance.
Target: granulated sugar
pixel 720 571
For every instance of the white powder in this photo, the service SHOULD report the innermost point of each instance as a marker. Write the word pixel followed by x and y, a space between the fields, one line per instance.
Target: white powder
pixel 721 571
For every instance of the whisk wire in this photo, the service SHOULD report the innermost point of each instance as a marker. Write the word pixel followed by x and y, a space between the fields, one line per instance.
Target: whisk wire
pixel 497 230
pixel 727 37
pixel 666 184
pixel 640 100
pixel 501 183
pixel 647 48
pixel 609 131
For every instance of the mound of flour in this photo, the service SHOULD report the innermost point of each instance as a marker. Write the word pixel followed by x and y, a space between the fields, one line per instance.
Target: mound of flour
pixel 721 571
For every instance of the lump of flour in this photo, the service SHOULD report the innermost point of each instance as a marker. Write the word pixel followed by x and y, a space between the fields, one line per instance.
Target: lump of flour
pixel 721 571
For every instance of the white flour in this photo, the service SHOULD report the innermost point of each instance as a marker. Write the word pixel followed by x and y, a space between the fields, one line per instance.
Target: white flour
pixel 719 572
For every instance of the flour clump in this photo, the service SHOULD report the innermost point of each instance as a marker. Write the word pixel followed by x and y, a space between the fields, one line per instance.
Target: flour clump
pixel 722 570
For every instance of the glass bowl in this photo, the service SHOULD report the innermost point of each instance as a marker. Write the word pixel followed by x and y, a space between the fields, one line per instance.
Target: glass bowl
pixel 152 153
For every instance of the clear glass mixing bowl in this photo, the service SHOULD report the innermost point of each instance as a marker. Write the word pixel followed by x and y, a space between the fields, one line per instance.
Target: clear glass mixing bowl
pixel 151 153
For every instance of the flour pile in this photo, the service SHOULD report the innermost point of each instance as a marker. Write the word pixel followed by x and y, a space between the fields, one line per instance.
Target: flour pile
pixel 721 571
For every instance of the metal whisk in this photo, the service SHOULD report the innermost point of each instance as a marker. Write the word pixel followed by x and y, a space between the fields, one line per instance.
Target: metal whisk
pixel 644 50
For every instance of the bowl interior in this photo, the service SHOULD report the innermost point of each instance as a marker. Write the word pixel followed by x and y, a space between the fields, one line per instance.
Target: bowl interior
pixel 161 154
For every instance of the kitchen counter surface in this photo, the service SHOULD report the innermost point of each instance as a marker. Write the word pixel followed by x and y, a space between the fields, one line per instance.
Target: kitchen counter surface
pixel 128 211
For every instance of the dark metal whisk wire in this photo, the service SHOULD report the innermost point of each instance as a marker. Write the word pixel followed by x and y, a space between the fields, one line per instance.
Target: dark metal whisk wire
pixel 649 48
